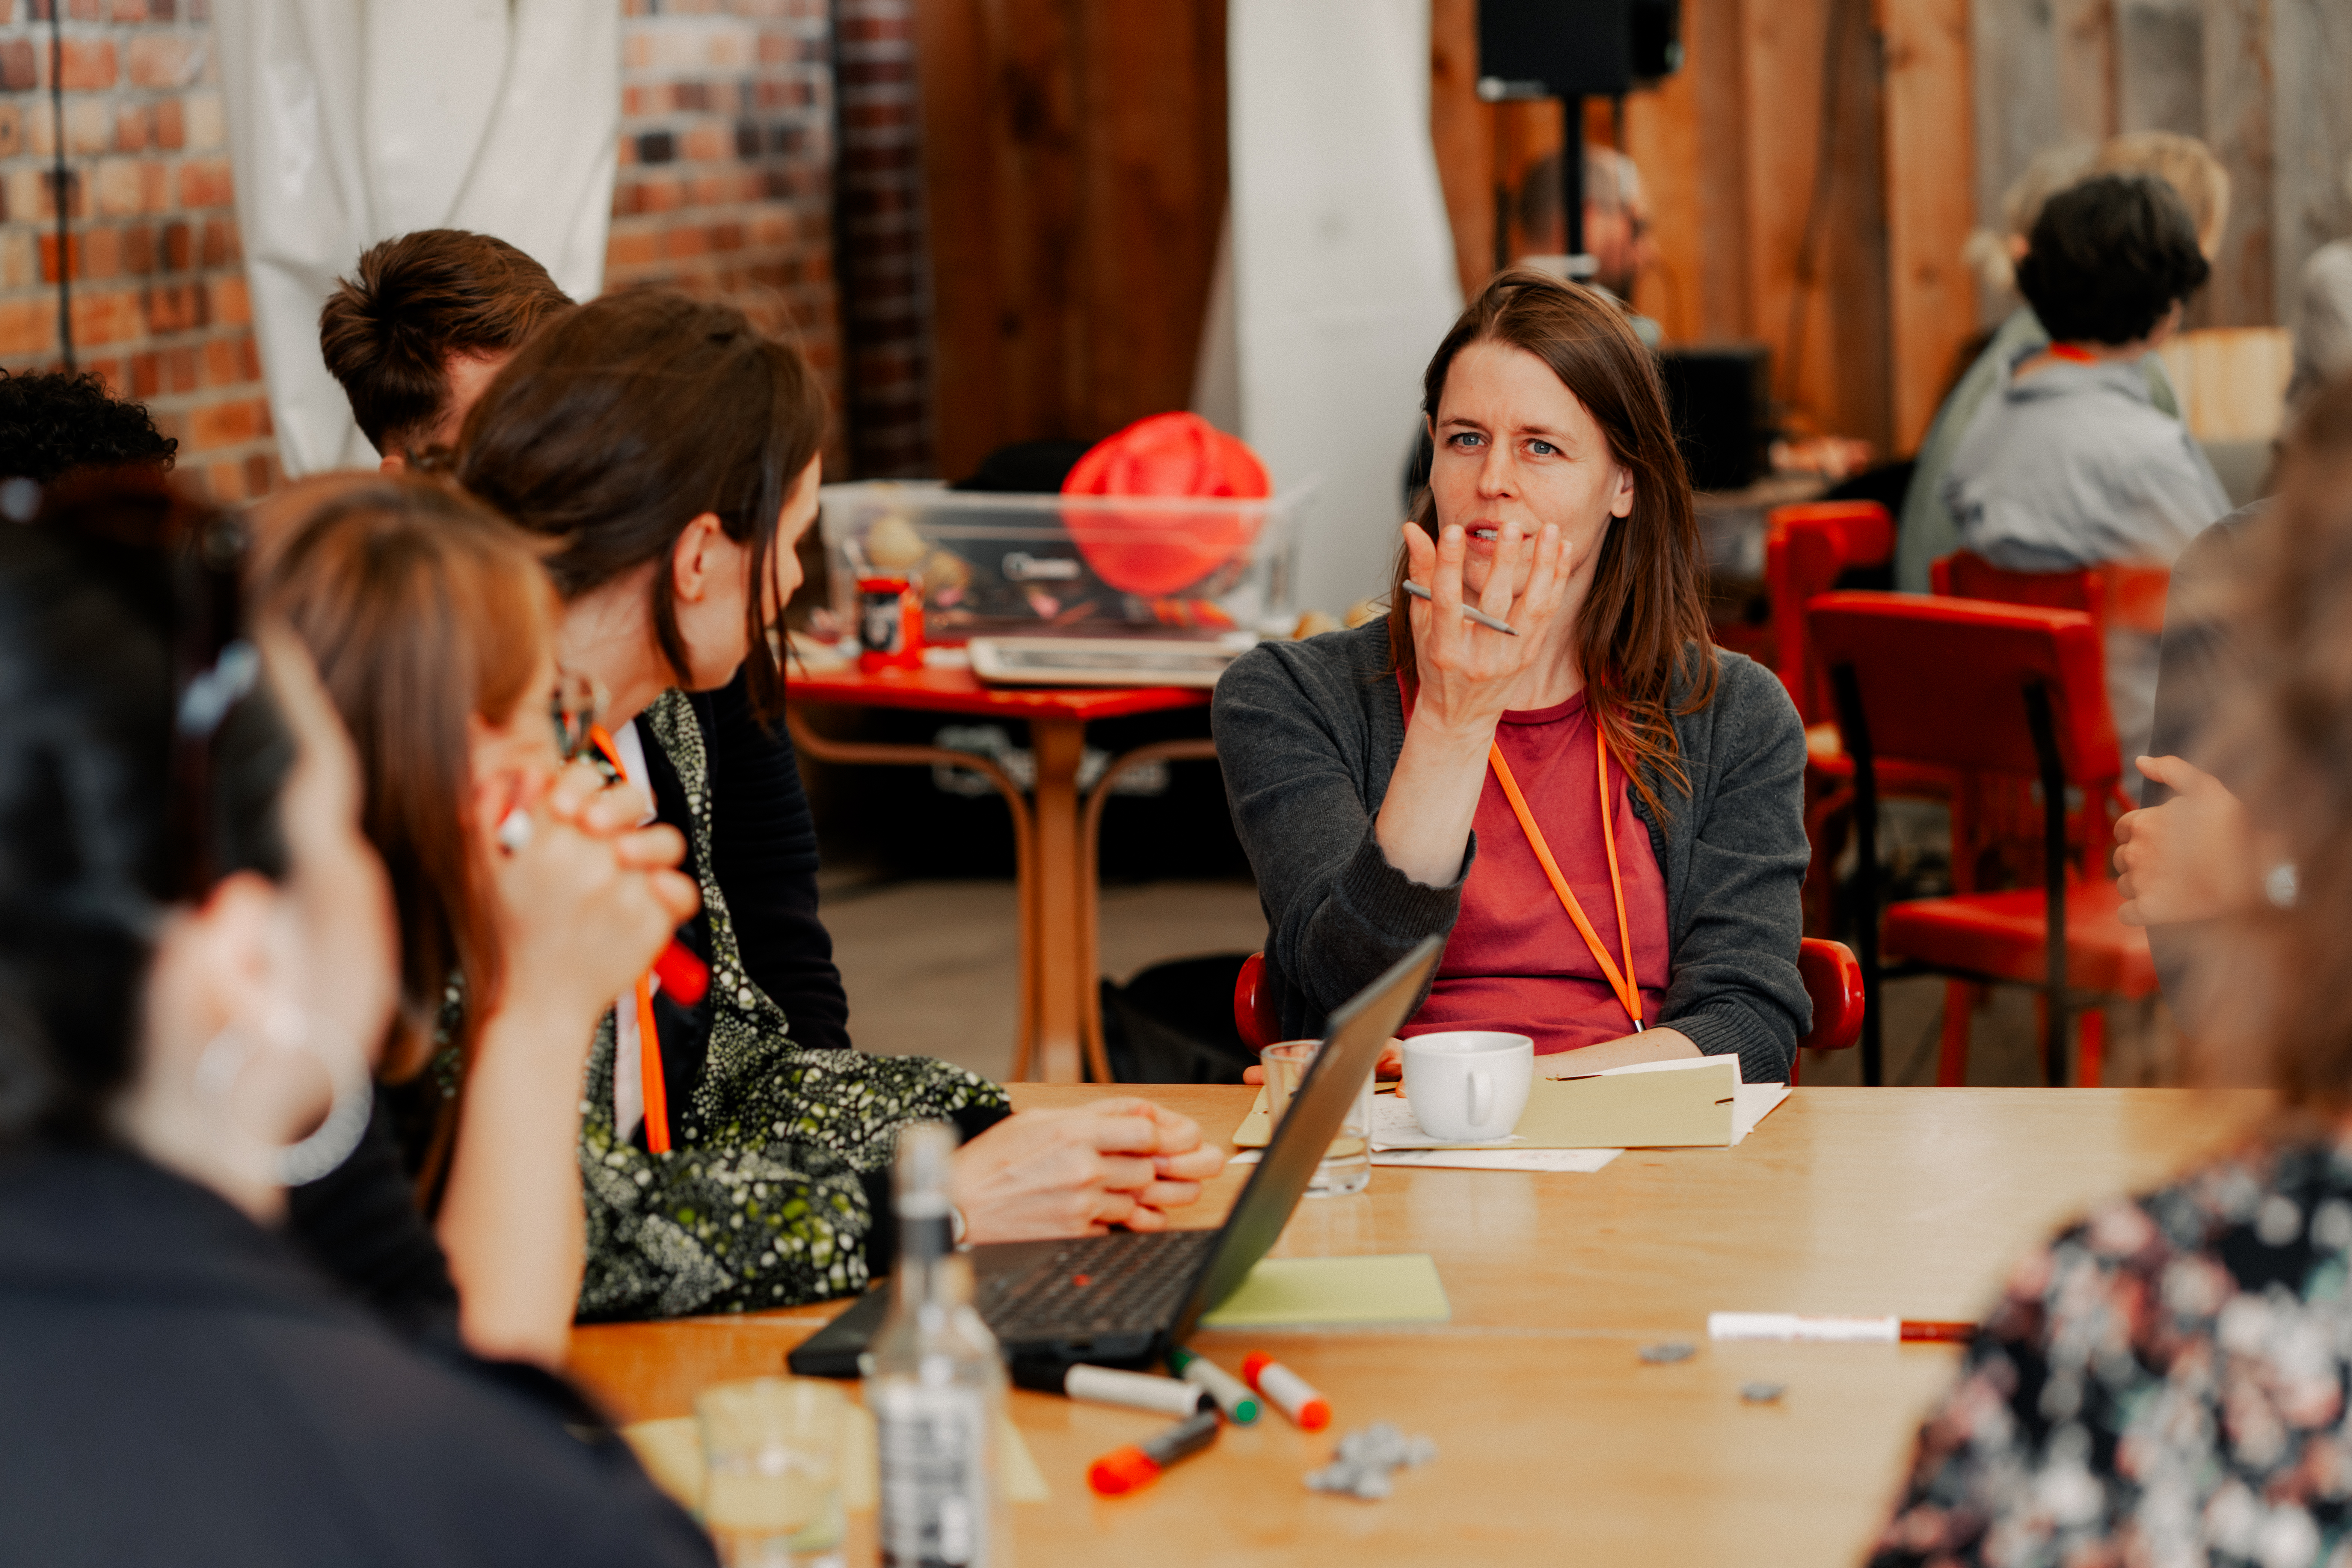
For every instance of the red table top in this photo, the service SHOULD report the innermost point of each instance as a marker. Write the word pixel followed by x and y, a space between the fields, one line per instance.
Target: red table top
pixel 961 691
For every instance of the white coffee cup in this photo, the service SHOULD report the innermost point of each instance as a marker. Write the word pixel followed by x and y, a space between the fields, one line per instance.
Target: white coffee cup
pixel 1466 1086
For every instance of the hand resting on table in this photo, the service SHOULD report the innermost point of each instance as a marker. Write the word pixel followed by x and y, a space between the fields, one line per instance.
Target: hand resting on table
pixel 1039 1174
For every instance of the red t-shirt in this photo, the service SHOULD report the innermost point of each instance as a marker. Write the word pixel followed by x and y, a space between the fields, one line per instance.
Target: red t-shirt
pixel 1515 960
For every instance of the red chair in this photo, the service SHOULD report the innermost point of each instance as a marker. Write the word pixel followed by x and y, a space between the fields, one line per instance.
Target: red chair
pixel 1832 974
pixel 2120 594
pixel 1806 548
pixel 1999 691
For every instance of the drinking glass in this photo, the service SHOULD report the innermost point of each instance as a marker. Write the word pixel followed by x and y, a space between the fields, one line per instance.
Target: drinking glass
pixel 771 1472
pixel 1346 1165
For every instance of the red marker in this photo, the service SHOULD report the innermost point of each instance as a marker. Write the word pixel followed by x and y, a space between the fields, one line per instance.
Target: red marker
pixel 1293 1392
pixel 1136 1467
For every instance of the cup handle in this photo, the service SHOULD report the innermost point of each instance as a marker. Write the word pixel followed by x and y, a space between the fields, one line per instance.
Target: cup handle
pixel 1481 1097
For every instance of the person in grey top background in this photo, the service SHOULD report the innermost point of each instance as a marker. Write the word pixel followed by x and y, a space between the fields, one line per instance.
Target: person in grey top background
pixel 2189 166
pixel 2070 466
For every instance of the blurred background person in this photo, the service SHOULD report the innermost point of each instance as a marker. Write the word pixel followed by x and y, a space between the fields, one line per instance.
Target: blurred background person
pixel 1927 528
pixel 55 425
pixel 2072 464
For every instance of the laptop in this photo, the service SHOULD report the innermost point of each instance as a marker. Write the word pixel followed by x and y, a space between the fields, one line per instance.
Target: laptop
pixel 1129 1298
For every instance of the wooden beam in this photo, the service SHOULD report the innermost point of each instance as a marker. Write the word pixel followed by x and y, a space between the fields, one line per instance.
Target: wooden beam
pixel 1462 129
pixel 1714 45
pixel 1662 137
pixel 2239 103
pixel 1930 141
pixel 2311 59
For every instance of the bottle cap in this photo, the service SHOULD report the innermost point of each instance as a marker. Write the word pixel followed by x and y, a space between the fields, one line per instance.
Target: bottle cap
pixel 1121 1470
pixel 1254 1363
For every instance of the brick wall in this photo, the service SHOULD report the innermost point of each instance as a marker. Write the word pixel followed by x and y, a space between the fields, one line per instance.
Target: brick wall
pixel 159 298
pixel 726 153
pixel 886 304
pixel 726 145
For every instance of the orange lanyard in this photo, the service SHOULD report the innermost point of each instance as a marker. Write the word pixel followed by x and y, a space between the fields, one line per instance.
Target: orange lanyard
pixel 655 1090
pixel 1629 994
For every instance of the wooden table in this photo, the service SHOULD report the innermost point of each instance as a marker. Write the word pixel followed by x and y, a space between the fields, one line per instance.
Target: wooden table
pixel 1060 1021
pixel 1556 1442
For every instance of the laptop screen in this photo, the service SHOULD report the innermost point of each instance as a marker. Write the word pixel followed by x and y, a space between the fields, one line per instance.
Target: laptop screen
pixel 1359 1028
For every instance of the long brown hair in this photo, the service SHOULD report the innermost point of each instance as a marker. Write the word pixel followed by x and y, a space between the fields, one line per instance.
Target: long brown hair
pixel 626 419
pixel 422 609
pixel 2289 729
pixel 1643 625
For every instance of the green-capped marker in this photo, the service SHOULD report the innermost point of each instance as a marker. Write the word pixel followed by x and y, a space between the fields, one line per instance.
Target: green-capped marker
pixel 1232 1394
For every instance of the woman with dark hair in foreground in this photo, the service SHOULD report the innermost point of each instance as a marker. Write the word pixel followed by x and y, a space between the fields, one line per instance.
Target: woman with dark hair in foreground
pixel 2164 1382
pixel 196 963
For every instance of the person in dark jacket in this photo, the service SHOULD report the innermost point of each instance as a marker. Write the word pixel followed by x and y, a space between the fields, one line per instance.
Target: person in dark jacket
pixel 1602 812
pixel 196 958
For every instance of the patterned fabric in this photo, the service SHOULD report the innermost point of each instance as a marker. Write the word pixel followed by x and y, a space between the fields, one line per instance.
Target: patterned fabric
pixel 760 1202
pixel 2164 1384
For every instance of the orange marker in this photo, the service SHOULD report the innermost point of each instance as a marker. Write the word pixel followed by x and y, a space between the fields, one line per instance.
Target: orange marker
pixel 1137 1466
pixel 1287 1389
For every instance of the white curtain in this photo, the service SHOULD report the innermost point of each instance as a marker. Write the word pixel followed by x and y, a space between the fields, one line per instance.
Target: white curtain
pixel 353 121
pixel 1342 275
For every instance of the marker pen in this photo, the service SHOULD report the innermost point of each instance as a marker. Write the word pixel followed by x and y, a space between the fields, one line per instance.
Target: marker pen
pixel 1232 1394
pixel 1295 1395
pixel 1794 1326
pixel 1136 1390
pixel 1133 1468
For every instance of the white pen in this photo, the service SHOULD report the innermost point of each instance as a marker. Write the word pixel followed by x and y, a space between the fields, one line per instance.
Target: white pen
pixel 1473 611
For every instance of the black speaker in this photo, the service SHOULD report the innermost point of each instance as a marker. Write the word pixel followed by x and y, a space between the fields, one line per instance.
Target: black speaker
pixel 1576 48
pixel 1656 37
pixel 1555 48
pixel 1721 398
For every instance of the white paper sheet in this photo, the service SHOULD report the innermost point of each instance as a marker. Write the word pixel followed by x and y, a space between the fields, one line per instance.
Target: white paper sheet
pixel 1574 1162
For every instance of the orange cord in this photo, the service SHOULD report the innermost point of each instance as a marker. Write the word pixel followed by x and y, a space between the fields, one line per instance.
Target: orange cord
pixel 1629 995
pixel 652 1085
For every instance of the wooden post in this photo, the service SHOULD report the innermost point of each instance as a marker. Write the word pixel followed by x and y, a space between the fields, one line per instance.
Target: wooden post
pixel 1931 177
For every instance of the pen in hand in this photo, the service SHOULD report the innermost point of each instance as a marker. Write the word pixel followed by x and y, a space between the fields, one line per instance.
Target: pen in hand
pixel 1491 623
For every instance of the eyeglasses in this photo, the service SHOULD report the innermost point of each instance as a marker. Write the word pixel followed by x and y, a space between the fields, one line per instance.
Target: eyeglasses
pixel 574 708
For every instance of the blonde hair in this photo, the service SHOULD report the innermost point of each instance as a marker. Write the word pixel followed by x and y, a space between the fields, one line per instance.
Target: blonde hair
pixel 2185 164
pixel 1993 256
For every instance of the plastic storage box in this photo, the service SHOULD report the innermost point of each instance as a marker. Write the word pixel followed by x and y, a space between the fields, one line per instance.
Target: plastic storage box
pixel 996 564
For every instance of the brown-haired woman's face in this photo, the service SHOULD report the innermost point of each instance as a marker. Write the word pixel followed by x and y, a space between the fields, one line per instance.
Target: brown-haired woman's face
pixel 1512 444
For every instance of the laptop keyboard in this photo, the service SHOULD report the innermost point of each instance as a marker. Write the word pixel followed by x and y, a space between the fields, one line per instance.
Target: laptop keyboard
pixel 1098 1284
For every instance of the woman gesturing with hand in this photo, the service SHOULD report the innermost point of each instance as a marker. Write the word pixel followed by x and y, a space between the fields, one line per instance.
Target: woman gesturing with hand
pixel 1601 813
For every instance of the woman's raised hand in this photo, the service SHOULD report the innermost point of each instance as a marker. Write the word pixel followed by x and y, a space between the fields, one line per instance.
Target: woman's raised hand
pixel 585 898
pixel 1467 671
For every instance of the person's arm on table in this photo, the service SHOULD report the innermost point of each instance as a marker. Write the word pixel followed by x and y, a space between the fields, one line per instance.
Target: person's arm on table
pixel 1039 1174
pixel 583 907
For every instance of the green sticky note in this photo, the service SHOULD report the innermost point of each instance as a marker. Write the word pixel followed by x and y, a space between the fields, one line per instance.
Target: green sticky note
pixel 1398 1287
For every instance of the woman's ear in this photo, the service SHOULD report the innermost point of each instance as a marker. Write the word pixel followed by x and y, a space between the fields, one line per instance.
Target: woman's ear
pixel 692 572
pixel 1622 503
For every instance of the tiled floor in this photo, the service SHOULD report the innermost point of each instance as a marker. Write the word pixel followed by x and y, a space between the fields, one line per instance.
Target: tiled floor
pixel 929 968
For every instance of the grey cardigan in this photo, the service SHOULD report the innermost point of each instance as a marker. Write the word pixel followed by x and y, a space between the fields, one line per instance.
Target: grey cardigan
pixel 1307 734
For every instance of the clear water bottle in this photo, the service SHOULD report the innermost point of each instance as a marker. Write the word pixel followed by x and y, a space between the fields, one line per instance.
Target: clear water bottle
pixel 935 1384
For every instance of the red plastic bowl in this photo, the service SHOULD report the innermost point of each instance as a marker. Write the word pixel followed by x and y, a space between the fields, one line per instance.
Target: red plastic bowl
pixel 1153 553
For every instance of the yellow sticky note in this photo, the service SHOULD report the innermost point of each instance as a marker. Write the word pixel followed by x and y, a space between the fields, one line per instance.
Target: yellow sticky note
pixel 1398 1287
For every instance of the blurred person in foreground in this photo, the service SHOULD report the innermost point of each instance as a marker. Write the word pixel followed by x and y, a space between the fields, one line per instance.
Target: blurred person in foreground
pixel 55 425
pixel 1928 528
pixel 196 961
pixel 2164 1382
pixel 2070 465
